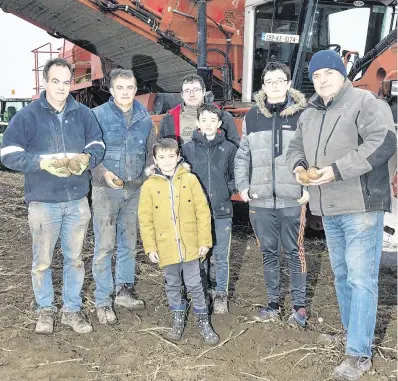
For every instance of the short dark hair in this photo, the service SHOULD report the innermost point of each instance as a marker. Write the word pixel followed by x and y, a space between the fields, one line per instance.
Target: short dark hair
pixel 56 62
pixel 210 108
pixel 165 144
pixel 275 65
pixel 121 73
pixel 191 78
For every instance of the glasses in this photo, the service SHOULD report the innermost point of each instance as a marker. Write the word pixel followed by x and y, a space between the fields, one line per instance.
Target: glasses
pixel 193 91
pixel 276 82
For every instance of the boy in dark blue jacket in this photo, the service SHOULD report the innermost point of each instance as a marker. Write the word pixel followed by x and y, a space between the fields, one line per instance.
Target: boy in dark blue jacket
pixel 212 159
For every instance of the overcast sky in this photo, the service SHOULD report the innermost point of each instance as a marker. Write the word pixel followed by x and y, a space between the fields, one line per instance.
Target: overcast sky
pixel 18 39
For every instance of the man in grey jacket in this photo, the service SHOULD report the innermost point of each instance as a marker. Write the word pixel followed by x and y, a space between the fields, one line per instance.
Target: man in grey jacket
pixel 347 133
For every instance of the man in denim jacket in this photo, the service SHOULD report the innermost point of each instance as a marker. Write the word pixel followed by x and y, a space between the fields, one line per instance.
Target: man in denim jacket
pixel 127 132
pixel 52 128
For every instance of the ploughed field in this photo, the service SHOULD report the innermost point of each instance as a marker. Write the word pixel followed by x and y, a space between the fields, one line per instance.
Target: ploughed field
pixel 135 349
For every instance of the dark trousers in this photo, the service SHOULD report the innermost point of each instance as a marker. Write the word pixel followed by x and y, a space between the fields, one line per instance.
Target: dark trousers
pixel 190 271
pixel 216 266
pixel 276 227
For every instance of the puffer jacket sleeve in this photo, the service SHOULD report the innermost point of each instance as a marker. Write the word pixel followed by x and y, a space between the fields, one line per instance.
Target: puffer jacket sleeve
pixel 145 217
pixel 295 155
pixel 94 144
pixel 375 127
pixel 202 212
pixel 14 150
pixel 229 126
pixel 242 162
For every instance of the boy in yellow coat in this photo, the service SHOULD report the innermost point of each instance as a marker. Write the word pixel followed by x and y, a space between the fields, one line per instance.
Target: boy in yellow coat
pixel 175 229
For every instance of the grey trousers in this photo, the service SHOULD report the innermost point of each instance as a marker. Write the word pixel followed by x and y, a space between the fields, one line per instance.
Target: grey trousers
pixel 285 226
pixel 173 281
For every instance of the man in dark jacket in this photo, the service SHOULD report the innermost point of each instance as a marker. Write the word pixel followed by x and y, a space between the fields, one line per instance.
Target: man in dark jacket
pixel 212 159
pixel 180 122
pixel 128 133
pixel 49 129
pixel 348 134
pixel 263 179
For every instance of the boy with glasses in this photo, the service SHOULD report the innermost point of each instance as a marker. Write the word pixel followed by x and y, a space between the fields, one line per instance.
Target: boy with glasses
pixel 180 122
pixel 277 210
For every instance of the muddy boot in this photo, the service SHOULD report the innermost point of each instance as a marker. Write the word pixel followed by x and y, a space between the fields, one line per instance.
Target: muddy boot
pixel 220 304
pixel 106 315
pixel 126 297
pixel 205 329
pixel 352 368
pixel 76 321
pixel 298 319
pixel 45 324
pixel 178 325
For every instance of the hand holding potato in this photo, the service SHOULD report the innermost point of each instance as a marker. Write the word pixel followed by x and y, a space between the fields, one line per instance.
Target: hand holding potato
pixel 113 181
pixel 57 167
pixel 79 163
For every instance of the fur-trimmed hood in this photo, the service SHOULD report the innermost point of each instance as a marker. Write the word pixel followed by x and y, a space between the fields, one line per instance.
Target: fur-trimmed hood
pixel 154 170
pixel 295 102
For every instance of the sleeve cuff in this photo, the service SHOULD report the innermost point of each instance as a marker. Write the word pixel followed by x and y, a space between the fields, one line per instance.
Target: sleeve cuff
pixel 336 172
pixel 301 163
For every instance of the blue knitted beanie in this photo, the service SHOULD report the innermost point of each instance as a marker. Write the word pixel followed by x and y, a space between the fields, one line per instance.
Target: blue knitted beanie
pixel 326 59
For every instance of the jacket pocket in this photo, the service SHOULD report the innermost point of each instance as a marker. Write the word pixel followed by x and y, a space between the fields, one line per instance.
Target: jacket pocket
pixel 112 161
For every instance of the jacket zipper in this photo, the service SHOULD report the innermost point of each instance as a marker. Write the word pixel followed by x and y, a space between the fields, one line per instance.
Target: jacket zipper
pixel 208 172
pixel 327 141
pixel 316 156
pixel 273 159
pixel 63 143
pixel 174 217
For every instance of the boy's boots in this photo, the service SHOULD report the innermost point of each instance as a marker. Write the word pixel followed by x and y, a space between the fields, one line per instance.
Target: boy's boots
pixel 205 329
pixel 178 326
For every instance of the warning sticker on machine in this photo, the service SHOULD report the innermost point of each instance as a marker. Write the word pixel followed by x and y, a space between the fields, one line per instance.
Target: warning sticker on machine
pixel 284 38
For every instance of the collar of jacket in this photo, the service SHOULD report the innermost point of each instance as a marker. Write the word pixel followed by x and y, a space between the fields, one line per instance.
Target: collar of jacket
pixel 295 102
pixel 153 169
pixel 70 103
pixel 317 102
pixel 200 138
pixel 139 110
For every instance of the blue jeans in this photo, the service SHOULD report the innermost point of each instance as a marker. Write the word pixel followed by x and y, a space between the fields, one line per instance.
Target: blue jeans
pixel 115 221
pixel 217 265
pixel 48 221
pixel 355 244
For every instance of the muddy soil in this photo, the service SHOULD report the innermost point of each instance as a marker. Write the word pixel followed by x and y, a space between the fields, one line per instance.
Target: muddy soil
pixel 134 349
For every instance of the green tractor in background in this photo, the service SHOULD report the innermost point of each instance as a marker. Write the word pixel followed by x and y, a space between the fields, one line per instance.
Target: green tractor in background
pixel 8 108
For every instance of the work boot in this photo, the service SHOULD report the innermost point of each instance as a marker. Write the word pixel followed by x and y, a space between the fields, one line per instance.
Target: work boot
pixel 298 319
pixel 125 297
pixel 205 329
pixel 352 368
pixel 45 324
pixel 106 315
pixel 76 321
pixel 178 326
pixel 337 338
pixel 220 303
pixel 267 314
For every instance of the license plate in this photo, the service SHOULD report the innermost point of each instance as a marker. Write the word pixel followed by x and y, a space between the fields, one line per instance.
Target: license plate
pixel 283 38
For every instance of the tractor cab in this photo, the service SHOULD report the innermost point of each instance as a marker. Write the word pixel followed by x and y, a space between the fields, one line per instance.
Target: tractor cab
pixel 8 108
pixel 291 31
